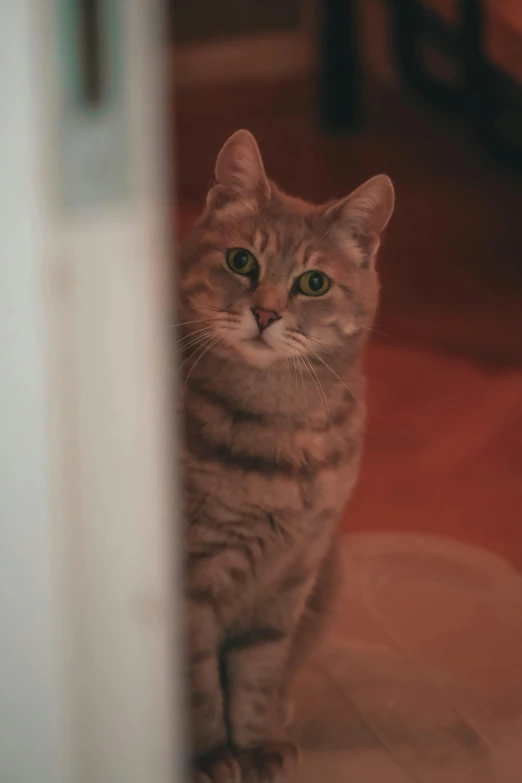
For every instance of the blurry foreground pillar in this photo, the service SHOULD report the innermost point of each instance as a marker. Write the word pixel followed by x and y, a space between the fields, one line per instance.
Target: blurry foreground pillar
pixel 87 491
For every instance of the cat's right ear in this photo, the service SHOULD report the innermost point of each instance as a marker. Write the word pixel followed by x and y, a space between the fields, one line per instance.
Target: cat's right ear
pixel 366 213
pixel 239 171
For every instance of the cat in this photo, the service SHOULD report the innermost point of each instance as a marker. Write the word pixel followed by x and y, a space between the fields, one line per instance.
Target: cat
pixel 277 297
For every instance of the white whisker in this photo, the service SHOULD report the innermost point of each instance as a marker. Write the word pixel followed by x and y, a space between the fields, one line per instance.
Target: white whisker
pixel 205 341
pixel 339 379
pixel 197 340
pixel 212 309
pixel 295 372
pixel 313 375
pixel 289 366
pixel 315 340
pixel 212 344
pixel 375 331
pixel 193 334
pixel 304 387
pixel 301 343
pixel 201 321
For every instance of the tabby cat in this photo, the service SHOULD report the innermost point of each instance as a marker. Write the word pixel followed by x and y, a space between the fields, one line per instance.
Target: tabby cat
pixel 277 298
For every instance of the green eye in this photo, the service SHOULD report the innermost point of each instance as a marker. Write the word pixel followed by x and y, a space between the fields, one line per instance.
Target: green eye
pixel 313 283
pixel 241 261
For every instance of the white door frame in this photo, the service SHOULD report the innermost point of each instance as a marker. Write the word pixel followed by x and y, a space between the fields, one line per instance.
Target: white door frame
pixel 88 607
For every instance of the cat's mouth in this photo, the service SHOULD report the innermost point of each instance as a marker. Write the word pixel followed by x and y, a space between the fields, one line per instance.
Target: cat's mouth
pixel 258 342
pixel 257 350
pixel 258 347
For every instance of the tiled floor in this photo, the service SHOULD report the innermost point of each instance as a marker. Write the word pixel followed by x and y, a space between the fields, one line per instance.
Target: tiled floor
pixel 444 446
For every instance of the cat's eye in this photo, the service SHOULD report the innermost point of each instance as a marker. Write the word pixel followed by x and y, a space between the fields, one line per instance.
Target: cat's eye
pixel 313 283
pixel 241 261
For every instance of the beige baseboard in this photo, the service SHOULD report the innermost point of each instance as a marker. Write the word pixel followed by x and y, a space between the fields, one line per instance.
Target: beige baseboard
pixel 272 56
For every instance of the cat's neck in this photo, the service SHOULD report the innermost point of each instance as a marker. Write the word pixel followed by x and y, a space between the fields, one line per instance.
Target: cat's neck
pixel 304 389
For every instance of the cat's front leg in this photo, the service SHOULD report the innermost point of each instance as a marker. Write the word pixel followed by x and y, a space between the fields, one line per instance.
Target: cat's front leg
pixel 256 666
pixel 255 670
pixel 255 673
pixel 208 722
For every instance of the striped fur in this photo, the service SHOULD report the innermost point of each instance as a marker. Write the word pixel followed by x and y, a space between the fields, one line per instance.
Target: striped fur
pixel 273 432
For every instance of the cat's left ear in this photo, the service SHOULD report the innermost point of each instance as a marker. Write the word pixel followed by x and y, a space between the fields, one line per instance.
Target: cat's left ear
pixel 239 171
pixel 366 213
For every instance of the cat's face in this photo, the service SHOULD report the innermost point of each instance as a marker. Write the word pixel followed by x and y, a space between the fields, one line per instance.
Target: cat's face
pixel 275 277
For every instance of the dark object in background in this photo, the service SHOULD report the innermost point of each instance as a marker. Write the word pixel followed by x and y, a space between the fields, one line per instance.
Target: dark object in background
pixel 220 20
pixel 478 89
pixel 90 49
pixel 339 69
pixel 417 34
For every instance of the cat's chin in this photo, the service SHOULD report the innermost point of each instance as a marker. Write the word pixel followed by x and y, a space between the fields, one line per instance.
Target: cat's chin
pixel 257 353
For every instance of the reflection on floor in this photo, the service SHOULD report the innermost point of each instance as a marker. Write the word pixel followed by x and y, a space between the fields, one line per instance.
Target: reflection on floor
pixel 444 447
pixel 419 677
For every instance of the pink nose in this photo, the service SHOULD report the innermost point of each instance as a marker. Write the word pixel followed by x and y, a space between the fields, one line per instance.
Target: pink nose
pixel 264 317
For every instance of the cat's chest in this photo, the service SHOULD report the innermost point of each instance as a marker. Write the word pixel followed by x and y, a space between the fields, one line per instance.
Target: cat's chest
pixel 250 494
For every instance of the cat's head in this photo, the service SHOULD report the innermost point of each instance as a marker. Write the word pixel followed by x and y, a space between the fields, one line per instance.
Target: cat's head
pixel 274 276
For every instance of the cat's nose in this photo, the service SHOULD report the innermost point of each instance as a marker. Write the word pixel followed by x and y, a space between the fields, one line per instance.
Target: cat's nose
pixel 265 317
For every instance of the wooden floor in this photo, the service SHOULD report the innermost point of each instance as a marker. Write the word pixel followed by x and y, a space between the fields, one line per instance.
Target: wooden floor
pixel 444 446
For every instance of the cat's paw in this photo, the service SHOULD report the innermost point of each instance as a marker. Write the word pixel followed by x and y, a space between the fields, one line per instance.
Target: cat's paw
pixel 219 766
pixel 268 764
